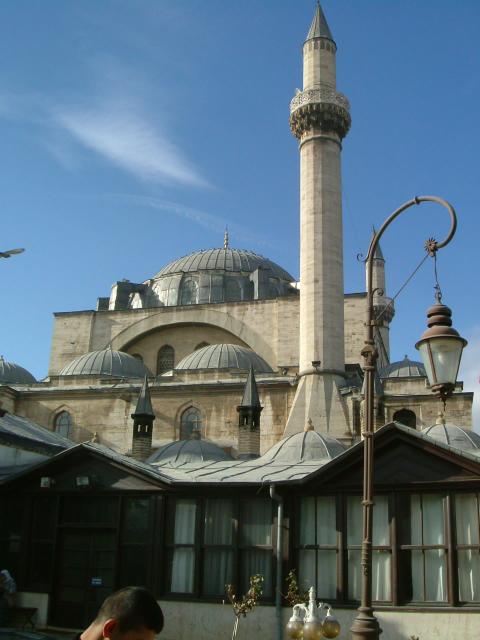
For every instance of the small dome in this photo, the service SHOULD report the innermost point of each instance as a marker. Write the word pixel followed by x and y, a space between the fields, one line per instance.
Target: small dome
pixel 458 437
pixel 175 454
pixel 14 374
pixel 306 446
pixel 115 364
pixel 405 368
pixel 224 356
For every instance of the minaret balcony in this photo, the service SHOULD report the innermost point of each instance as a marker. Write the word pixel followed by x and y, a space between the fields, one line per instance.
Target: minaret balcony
pixel 322 108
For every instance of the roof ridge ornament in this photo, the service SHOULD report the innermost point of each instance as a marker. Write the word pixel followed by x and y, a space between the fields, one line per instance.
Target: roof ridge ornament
pixel 309 426
pixel 225 238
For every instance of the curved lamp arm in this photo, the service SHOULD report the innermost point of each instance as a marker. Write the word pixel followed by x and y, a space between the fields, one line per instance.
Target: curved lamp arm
pixel 431 245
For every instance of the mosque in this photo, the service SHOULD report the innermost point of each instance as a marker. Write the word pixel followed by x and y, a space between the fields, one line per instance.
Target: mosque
pixel 205 425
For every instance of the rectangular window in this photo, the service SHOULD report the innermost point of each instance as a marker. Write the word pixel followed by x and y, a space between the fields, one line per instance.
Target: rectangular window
pixel 182 552
pixel 256 551
pixel 423 562
pixel 381 550
pixel 218 537
pixel 467 530
pixel 135 541
pixel 317 546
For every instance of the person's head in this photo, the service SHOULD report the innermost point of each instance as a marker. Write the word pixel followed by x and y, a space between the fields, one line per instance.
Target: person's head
pixel 129 614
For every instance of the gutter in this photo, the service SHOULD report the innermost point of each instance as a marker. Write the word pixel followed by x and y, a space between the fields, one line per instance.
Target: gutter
pixel 278 586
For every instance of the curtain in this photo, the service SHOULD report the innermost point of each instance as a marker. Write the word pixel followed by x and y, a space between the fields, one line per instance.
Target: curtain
pixel 183 561
pixel 428 566
pixel 257 561
pixel 306 569
pixel 256 522
pixel 381 574
pixel 354 520
pixel 381 529
pixel 326 573
pixel 466 518
pixel 307 521
pixel 354 574
pixel 218 530
pixel 469 575
pixel 326 521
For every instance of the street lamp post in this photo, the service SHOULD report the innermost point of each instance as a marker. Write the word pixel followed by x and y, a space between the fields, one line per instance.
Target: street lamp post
pixel 441 346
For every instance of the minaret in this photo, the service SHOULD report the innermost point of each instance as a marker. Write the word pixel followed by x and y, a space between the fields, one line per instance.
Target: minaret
pixel 143 418
pixel 320 119
pixel 383 307
pixel 249 411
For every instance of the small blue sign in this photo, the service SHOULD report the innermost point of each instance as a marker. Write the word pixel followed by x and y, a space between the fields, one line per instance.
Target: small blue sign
pixel 96 582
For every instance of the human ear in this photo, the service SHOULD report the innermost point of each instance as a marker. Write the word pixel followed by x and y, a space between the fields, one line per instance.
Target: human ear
pixel 109 627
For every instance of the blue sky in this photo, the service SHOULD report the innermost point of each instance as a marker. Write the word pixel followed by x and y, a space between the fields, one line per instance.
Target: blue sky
pixel 133 131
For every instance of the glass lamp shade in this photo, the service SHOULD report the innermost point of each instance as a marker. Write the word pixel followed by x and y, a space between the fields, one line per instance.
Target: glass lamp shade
pixel 312 630
pixel 441 356
pixel 330 626
pixel 295 629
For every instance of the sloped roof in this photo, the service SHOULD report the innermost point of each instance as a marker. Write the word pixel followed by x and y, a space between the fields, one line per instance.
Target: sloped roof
pixel 30 435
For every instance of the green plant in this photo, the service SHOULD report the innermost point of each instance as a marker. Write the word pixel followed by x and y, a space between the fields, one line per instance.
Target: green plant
pixel 293 595
pixel 247 602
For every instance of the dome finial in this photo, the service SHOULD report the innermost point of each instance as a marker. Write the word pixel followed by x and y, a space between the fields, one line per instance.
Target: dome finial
pixel 309 426
pixel 225 238
pixel 440 418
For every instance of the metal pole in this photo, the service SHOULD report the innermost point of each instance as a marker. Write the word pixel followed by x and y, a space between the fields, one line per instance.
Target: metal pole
pixel 278 587
pixel 365 625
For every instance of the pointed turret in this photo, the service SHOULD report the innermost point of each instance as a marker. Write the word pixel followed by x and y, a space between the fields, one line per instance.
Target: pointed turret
pixel 249 420
pixel 319 27
pixel 143 418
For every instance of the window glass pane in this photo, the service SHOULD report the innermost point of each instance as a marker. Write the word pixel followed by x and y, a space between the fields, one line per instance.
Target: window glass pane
pixel 435 575
pixel 218 522
pixel 326 521
pixel 217 571
pixel 89 509
pixel 135 519
pixel 191 420
pixel 381 529
pixel 415 528
pixel 41 565
pixel 466 518
pixel 433 527
pixel 354 574
pixel 326 574
pixel 44 518
pixel 183 568
pixel 307 521
pixel 133 566
pixel 381 575
pixel 256 522
pixel 185 512
pixel 165 359
pixel 469 575
pixel 306 569
pixel 257 561
pixel 354 520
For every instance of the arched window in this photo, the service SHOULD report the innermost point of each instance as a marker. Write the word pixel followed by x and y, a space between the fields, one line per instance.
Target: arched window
pixel 191 419
pixel 63 424
pixel 165 359
pixel 406 417
pixel 200 345
pixel 189 291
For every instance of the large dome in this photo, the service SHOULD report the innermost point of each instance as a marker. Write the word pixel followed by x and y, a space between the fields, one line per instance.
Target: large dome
pixel 405 368
pixel 224 356
pixel 109 363
pixel 212 276
pixel 14 374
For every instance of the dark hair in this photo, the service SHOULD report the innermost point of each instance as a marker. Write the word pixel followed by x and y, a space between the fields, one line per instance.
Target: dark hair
pixel 132 607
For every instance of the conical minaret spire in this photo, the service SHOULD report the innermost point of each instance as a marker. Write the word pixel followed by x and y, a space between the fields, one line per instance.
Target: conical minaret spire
pixel 320 119
pixel 143 418
pixel 249 411
pixel 319 27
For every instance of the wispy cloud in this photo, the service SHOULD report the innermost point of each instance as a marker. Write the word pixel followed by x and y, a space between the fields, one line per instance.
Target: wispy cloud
pixel 470 372
pixel 130 142
pixel 202 218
